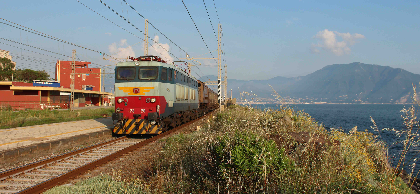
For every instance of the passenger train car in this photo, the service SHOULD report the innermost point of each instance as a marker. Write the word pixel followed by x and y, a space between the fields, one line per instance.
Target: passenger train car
pixel 151 96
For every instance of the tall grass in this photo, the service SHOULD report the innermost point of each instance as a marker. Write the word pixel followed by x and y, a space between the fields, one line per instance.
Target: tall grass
pixel 10 119
pixel 408 137
pixel 244 150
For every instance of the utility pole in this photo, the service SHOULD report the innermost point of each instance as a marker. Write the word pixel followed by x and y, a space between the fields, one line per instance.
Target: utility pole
pixel 102 78
pixel 225 84
pixel 219 68
pixel 73 69
pixel 146 40
pixel 219 65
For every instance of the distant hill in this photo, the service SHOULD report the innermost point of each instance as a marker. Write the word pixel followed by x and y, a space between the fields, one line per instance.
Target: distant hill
pixel 354 82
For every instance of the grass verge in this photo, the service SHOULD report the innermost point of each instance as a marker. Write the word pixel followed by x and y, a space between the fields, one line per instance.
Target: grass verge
pixel 11 119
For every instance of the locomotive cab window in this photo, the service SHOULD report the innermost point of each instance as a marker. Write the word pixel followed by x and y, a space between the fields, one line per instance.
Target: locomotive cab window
pixel 169 74
pixel 126 73
pixel 163 74
pixel 148 73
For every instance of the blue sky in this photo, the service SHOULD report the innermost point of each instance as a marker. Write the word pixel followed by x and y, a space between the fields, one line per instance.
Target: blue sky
pixel 261 39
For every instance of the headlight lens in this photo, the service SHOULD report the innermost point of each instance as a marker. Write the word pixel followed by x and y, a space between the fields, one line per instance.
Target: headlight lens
pixel 118 110
pixel 120 100
pixel 153 100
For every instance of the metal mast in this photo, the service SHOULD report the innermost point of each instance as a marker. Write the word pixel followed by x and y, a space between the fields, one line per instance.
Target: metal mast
pixel 225 84
pixel 73 68
pixel 146 40
pixel 219 68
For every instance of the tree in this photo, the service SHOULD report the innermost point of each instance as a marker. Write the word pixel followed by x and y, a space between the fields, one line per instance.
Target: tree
pixel 6 69
pixel 28 75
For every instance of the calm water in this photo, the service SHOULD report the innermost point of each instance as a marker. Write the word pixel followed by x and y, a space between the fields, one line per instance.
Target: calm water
pixel 347 116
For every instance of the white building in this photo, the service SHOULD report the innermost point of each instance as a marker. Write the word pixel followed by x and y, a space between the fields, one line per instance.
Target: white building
pixel 5 54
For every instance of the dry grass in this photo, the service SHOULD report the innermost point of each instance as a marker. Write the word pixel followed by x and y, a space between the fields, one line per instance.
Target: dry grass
pixel 234 153
pixel 244 150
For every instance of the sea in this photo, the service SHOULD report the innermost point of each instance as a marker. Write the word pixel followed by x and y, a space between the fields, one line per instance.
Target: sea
pixel 347 116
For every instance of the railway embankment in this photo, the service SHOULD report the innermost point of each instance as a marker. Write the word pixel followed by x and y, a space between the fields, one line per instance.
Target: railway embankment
pixel 247 150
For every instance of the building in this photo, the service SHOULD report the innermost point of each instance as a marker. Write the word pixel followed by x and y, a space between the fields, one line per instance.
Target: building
pixel 85 79
pixel 43 94
pixel 6 54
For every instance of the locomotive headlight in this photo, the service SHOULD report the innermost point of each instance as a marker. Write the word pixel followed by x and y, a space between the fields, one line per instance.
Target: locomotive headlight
pixel 120 100
pixel 118 110
pixel 153 100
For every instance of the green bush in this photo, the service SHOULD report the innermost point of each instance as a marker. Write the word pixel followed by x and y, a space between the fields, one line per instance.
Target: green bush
pixel 249 156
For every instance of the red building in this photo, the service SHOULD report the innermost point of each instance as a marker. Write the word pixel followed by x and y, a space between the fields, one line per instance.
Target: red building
pixel 86 78
pixel 53 95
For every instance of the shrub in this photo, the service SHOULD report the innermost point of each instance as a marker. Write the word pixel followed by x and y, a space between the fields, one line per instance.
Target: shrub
pixel 247 161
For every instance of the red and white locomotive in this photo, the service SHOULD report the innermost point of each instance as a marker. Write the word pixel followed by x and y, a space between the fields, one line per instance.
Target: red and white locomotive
pixel 151 96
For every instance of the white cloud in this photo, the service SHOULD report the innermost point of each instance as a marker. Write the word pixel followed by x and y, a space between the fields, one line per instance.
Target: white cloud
pixel 123 51
pixel 161 50
pixel 328 41
pixel 108 33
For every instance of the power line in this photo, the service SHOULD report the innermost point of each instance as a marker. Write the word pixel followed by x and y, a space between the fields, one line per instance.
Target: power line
pixel 157 30
pixel 52 37
pixel 35 47
pixel 124 28
pixel 29 50
pixel 214 32
pixel 42 50
pixel 117 24
pixel 197 29
pixel 122 17
pixel 216 11
pixel 153 25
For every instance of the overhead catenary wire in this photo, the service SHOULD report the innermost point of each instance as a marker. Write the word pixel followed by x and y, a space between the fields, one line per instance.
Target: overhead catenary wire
pixel 51 37
pixel 110 8
pixel 214 3
pixel 122 17
pixel 35 47
pixel 78 58
pixel 214 32
pixel 153 26
pixel 197 29
pixel 158 30
pixel 118 25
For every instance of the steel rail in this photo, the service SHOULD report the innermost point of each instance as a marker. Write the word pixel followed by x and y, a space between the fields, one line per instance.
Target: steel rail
pixel 59 179
pixel 17 170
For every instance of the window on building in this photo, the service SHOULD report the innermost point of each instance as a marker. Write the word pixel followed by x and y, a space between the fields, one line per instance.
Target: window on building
pixel 163 74
pixel 148 73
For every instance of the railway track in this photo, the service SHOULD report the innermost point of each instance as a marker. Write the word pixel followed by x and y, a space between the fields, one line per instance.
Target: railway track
pixel 40 176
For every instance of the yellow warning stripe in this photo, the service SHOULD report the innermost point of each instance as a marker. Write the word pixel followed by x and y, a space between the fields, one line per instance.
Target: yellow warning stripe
pixel 53 135
pixel 131 127
pixel 154 129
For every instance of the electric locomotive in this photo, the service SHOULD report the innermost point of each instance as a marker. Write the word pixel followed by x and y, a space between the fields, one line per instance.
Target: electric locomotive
pixel 152 95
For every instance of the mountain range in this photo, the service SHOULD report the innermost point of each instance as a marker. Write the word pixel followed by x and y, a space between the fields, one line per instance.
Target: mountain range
pixel 338 83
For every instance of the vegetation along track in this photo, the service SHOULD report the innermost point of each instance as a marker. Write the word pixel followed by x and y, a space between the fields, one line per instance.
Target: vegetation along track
pixel 40 176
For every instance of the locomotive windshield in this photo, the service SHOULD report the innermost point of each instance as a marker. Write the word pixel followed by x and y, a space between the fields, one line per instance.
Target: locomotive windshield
pixel 126 73
pixel 148 73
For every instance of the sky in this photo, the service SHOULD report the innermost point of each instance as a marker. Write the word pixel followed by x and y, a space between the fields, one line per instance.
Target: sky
pixel 260 39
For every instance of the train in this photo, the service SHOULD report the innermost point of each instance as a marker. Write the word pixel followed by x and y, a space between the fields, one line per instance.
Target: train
pixel 152 96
